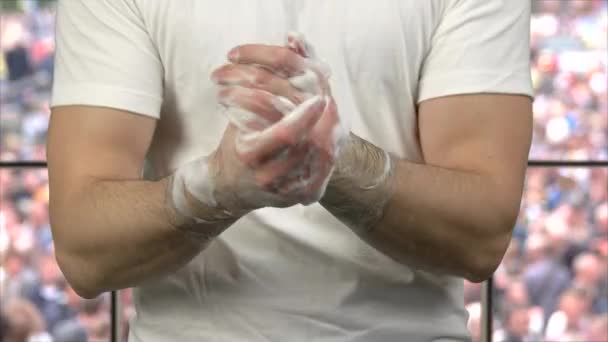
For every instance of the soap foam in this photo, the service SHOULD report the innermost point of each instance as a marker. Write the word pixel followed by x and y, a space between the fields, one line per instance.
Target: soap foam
pixel 307 82
pixel 249 141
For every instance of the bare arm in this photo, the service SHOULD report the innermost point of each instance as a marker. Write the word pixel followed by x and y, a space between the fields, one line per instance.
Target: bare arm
pixel 111 229
pixel 454 213
pixel 114 230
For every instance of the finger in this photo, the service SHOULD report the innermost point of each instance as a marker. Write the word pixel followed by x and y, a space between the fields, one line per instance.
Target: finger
pixel 271 174
pixel 296 44
pixel 246 121
pixel 328 131
pixel 280 60
pixel 250 76
pixel 255 101
pixel 256 147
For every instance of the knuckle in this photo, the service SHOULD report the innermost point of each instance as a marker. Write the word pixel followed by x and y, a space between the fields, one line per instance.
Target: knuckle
pixel 282 58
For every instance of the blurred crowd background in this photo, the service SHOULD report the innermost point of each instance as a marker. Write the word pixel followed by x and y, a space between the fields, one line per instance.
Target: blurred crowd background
pixel 552 285
pixel 569 71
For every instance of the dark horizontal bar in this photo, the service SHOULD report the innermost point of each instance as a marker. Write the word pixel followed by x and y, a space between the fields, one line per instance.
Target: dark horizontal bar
pixel 23 164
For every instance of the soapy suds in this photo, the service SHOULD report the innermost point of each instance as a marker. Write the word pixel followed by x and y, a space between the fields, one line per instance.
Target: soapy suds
pixel 194 178
pixel 308 82
pixel 298 43
pixel 245 120
pixel 340 135
pixel 388 165
pixel 301 178
pixel 283 105
pixel 249 141
pixel 237 79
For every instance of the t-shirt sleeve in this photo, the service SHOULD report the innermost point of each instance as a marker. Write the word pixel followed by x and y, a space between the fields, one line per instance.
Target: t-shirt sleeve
pixel 106 58
pixel 480 46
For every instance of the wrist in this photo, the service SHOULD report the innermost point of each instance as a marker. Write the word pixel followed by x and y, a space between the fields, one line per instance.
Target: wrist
pixel 174 216
pixel 362 164
pixel 225 193
pixel 362 185
pixel 191 198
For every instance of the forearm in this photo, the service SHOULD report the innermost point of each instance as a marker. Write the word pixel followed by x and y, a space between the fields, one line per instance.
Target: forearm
pixel 429 217
pixel 116 234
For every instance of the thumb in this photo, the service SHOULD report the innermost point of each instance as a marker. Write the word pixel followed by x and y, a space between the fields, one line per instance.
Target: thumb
pixel 297 44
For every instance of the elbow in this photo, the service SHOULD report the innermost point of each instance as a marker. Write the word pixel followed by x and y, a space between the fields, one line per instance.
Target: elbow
pixel 79 270
pixel 491 236
pixel 79 273
pixel 482 262
pixel 483 266
pixel 481 271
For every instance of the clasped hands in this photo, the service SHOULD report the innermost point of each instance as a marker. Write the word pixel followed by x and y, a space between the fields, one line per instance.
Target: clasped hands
pixel 285 133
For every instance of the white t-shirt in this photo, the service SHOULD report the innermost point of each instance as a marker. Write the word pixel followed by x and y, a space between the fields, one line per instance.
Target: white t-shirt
pixel 294 274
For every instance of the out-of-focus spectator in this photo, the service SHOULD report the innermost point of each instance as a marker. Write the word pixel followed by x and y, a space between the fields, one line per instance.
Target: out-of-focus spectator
pixel 18 62
pixel 93 314
pixel 571 320
pixel 69 331
pixel 590 274
pixel 70 328
pixel 24 322
pixel 517 323
pixel 24 279
pixel 517 293
pixel 587 271
pixel 598 329
pixel 545 277
pixel 50 295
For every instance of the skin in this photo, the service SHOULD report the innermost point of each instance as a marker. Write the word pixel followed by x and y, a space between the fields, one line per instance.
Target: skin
pixel 114 230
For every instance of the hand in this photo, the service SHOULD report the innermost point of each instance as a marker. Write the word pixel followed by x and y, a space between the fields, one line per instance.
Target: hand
pixel 218 189
pixel 263 88
pixel 254 175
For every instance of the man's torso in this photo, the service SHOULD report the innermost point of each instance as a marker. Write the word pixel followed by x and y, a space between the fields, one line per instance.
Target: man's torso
pixel 294 274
